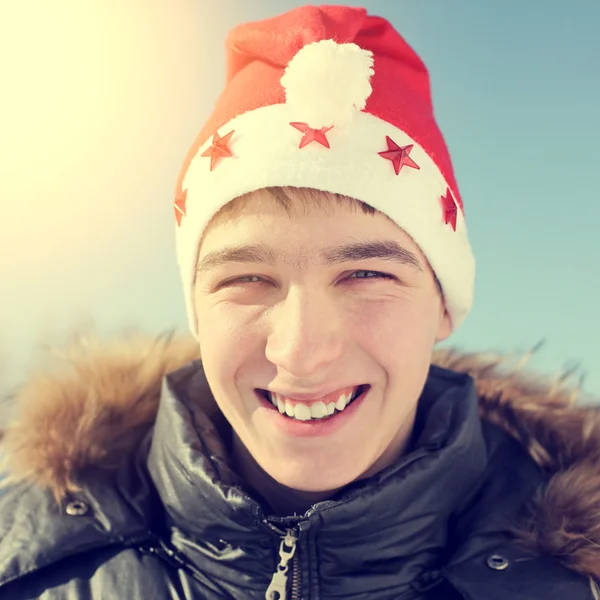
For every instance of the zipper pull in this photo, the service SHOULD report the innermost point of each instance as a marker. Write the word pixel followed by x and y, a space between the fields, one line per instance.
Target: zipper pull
pixel 277 589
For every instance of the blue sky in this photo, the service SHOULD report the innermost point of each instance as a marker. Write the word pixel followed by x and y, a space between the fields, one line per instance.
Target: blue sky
pixel 105 99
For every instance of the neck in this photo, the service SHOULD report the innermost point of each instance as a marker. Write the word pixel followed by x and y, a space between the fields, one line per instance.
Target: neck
pixel 285 501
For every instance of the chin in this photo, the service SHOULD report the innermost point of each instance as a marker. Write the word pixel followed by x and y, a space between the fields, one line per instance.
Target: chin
pixel 312 479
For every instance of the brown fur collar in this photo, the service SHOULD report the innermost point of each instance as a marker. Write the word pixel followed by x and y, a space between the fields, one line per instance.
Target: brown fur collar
pixel 96 410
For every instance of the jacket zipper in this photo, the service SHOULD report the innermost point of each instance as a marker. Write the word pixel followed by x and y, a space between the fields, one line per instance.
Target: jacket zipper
pixel 277 589
pixel 295 578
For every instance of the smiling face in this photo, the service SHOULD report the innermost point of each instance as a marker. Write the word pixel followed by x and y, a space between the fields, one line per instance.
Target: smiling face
pixel 305 325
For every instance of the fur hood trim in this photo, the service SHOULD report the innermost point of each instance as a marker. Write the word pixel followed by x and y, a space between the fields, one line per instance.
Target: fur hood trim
pixel 96 408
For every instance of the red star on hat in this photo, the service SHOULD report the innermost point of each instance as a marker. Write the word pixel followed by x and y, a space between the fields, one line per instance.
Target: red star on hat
pixel 218 149
pixel 179 206
pixel 312 135
pixel 398 155
pixel 450 209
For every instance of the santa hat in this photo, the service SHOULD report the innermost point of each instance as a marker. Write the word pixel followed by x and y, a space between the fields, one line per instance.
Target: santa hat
pixel 331 98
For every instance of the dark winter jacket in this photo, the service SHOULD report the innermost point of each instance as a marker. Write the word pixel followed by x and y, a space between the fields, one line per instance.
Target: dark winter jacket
pixel 118 486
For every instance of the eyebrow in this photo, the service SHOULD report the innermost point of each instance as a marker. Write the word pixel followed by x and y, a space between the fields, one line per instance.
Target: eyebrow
pixel 354 251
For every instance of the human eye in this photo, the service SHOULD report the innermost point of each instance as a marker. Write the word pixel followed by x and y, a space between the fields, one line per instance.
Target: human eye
pixel 371 274
pixel 243 280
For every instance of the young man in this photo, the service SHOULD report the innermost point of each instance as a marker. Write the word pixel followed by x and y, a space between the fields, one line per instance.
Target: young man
pixel 303 445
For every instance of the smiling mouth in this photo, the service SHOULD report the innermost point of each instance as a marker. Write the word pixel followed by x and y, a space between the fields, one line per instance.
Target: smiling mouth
pixel 314 411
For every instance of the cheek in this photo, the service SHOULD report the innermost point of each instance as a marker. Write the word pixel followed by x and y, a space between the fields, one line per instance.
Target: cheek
pixel 228 325
pixel 397 324
pixel 228 338
pixel 401 341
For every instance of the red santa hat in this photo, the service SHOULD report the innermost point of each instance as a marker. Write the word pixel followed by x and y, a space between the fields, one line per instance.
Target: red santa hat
pixel 331 98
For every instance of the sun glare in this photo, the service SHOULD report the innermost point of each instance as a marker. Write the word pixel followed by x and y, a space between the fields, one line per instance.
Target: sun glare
pixel 77 83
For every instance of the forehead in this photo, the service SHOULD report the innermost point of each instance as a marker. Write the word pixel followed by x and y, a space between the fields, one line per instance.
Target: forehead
pixel 296 205
pixel 264 231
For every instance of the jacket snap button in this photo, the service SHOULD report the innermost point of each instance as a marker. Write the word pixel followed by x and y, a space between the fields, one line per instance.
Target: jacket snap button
pixel 497 562
pixel 77 508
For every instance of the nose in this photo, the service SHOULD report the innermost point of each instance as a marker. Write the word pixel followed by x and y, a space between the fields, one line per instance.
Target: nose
pixel 306 333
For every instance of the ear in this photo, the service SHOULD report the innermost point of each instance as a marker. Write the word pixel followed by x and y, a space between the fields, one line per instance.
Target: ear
pixel 445 324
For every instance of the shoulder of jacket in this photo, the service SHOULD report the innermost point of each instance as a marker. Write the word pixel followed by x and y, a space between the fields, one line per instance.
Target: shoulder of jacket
pixel 559 430
pixel 37 531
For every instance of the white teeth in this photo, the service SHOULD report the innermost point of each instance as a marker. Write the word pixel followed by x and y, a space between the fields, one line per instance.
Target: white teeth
pixel 289 410
pixel 304 412
pixel 280 403
pixel 318 410
pixel 342 401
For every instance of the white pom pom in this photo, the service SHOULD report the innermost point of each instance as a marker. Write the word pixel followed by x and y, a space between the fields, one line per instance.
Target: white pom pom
pixel 326 82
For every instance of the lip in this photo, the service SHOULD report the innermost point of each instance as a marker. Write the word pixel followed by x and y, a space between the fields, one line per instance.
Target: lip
pixel 314 396
pixel 313 428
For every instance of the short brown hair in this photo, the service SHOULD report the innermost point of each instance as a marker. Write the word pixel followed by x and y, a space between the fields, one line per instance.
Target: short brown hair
pixel 288 197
